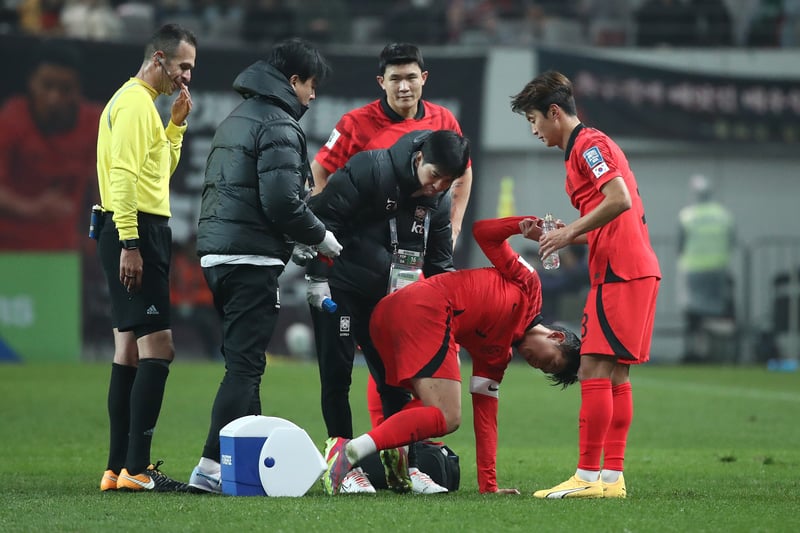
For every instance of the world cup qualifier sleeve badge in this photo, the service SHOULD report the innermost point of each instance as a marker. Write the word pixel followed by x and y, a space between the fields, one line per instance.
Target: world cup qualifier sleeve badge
pixel 595 161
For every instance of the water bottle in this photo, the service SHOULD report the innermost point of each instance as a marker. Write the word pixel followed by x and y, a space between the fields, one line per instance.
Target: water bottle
pixel 328 305
pixel 552 261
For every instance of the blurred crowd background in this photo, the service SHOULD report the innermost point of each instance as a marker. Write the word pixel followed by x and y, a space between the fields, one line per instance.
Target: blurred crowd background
pixel 728 23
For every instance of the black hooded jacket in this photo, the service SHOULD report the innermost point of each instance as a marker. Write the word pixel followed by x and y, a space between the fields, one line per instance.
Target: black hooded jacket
pixel 256 171
pixel 356 206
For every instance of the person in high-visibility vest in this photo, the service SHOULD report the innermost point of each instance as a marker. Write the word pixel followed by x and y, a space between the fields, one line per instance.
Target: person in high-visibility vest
pixel 706 239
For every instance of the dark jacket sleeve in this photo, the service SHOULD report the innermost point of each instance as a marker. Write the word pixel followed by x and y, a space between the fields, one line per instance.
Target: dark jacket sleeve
pixel 439 254
pixel 348 189
pixel 347 192
pixel 281 175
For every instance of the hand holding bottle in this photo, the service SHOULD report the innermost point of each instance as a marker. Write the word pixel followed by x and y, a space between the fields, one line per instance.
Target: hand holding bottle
pixel 318 294
pixel 531 228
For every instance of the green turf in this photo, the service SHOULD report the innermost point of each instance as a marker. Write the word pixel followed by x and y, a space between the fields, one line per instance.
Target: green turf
pixel 711 449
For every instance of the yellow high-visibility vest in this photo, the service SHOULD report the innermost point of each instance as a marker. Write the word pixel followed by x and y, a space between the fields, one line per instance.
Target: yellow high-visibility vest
pixel 707 229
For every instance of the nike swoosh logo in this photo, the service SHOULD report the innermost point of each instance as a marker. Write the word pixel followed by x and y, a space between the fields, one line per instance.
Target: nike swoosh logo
pixel 563 493
pixel 149 485
pixel 216 480
pixel 480 334
pixel 493 389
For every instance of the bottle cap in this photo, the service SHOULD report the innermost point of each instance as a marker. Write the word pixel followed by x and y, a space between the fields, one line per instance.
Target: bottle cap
pixel 329 306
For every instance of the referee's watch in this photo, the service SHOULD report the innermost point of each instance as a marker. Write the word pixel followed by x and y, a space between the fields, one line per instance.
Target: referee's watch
pixel 130 244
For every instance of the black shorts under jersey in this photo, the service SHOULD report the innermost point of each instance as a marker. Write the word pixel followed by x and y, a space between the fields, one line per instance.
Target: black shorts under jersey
pixel 147 310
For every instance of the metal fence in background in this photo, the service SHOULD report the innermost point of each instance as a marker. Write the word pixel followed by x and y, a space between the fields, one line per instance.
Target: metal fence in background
pixel 766 280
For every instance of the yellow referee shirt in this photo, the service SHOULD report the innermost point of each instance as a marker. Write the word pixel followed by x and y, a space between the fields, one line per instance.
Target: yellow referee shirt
pixel 136 155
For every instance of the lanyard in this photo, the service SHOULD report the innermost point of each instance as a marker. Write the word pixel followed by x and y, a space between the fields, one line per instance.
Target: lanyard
pixel 426 225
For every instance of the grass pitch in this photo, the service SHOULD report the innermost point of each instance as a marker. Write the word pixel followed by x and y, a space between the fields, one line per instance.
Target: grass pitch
pixel 711 449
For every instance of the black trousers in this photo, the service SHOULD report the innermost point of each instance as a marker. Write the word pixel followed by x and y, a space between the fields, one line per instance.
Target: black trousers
pixel 246 298
pixel 336 335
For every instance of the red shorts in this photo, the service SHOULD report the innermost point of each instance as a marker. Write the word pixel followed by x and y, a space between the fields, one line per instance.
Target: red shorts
pixel 618 320
pixel 411 329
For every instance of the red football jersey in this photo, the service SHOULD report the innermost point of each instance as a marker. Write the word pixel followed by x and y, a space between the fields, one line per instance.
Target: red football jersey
pixel 487 309
pixel 499 304
pixel 619 250
pixel 492 307
pixel 377 126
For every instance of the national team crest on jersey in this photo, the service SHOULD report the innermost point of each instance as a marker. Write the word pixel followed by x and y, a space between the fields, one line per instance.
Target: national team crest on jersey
pixel 595 161
pixel 344 326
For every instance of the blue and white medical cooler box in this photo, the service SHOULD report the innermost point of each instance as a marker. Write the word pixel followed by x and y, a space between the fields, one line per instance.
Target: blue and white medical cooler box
pixel 268 456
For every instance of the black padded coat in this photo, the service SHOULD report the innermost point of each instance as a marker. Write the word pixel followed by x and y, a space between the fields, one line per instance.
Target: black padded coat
pixel 356 206
pixel 253 192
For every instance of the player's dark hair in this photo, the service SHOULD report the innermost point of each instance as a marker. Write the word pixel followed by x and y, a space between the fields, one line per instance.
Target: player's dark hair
pixel 56 53
pixel 571 348
pixel 540 93
pixel 297 56
pixel 448 150
pixel 400 54
pixel 167 38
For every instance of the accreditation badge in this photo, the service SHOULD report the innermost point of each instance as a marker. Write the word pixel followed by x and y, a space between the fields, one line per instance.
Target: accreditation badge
pixel 406 268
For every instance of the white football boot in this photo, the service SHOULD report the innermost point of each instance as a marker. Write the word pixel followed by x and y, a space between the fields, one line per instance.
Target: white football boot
pixel 356 482
pixel 421 483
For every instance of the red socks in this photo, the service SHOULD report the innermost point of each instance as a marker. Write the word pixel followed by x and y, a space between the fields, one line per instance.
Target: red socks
pixel 617 436
pixel 412 424
pixel 594 420
pixel 374 405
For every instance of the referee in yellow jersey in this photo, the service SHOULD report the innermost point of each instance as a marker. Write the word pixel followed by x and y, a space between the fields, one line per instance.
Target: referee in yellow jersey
pixel 136 155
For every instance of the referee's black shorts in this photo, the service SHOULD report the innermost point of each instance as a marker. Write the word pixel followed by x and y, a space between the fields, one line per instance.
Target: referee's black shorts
pixel 147 310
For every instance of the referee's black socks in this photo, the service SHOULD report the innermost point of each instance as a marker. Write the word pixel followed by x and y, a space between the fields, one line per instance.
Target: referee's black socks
pixel 147 395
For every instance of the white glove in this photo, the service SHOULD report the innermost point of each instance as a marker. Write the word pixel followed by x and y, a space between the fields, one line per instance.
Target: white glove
pixel 302 254
pixel 317 291
pixel 329 246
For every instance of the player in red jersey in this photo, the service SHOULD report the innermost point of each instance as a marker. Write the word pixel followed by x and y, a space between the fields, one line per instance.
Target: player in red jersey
pixel 47 156
pixel 618 317
pixel 378 125
pixel 486 310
